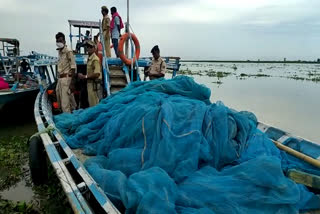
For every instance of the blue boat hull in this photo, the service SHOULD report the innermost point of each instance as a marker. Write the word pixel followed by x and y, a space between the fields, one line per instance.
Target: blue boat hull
pixel 63 158
pixel 25 97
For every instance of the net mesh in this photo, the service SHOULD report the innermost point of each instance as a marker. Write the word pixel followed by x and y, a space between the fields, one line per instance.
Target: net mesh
pixel 162 147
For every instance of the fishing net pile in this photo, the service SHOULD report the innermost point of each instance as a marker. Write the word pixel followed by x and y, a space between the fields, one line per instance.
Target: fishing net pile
pixel 162 147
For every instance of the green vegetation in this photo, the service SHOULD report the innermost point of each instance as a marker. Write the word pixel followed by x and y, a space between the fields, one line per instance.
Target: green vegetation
pixel 217 82
pixel 13 155
pixel 316 79
pixel 218 74
pixel 17 207
pixel 313 76
pixel 49 198
pixel 189 72
pixel 295 77
pixel 243 75
pixel 254 75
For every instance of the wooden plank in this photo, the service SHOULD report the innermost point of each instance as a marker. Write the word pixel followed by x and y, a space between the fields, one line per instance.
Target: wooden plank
pixel 304 178
pixel 118 82
pixel 311 212
pixel 301 156
pixel 116 73
pixel 115 89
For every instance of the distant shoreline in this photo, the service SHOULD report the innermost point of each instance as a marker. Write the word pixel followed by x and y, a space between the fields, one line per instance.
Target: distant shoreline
pixel 251 61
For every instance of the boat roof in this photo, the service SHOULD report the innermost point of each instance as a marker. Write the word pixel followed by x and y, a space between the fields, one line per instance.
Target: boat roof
pixel 84 24
pixel 11 41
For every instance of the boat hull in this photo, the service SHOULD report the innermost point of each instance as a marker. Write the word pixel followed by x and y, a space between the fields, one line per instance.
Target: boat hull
pixel 22 97
pixel 63 158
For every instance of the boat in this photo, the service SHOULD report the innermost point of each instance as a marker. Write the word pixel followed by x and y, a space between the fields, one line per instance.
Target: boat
pixel 84 193
pixel 23 88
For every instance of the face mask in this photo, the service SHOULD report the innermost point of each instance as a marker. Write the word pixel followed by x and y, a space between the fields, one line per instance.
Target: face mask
pixel 60 44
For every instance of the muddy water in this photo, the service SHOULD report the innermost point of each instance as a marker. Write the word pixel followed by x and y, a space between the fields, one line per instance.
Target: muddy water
pixel 288 98
pixel 19 192
pixel 18 121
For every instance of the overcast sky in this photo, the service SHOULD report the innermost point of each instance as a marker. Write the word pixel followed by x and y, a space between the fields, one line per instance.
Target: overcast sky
pixel 191 29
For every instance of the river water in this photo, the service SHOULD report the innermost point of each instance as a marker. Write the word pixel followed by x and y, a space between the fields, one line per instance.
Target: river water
pixel 285 96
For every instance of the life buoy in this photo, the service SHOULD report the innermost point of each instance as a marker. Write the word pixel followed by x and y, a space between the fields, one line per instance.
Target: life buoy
pixel 122 56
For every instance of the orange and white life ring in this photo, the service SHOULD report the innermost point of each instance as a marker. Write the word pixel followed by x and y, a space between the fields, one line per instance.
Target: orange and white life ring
pixel 122 56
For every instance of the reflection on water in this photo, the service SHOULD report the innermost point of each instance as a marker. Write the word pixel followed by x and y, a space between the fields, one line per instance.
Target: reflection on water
pixel 269 90
pixel 18 192
pixel 17 120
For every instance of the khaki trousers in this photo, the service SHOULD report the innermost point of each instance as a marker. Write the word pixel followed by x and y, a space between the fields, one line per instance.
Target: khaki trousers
pixel 65 98
pixel 93 96
pixel 107 43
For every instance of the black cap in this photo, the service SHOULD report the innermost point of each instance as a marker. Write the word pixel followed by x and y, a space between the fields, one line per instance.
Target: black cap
pixel 155 49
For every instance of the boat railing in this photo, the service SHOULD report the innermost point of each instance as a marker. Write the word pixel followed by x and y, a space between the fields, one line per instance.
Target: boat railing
pixel 82 191
pixel 44 68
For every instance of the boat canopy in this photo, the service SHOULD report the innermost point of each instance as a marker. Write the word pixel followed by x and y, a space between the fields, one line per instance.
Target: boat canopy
pixel 84 24
pixel 14 42
pixel 9 47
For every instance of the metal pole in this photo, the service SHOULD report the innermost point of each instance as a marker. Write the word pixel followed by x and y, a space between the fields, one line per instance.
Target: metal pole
pixel 91 32
pixel 128 13
pixel 70 37
pixel 127 31
pixel 4 53
pixel 80 41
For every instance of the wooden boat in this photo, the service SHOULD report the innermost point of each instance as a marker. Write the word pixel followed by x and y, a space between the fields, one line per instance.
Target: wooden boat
pixel 82 191
pixel 84 194
pixel 23 88
pixel 8 97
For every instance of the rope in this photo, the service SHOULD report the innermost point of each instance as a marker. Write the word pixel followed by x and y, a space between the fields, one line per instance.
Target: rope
pixel 145 142
pixel 182 135
pixel 48 130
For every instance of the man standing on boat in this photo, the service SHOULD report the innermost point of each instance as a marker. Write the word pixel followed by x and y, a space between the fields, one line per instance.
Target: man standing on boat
pixel 66 70
pixel 158 66
pixel 115 27
pixel 94 76
pixel 106 30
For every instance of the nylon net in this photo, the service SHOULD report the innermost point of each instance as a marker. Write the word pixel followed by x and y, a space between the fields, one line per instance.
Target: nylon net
pixel 162 147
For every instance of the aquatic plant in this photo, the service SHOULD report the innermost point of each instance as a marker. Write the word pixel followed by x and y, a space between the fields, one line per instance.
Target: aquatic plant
pixel 13 155
pixel 7 206
pixel 51 195
pixel 217 82
pixel 316 79
pixel 297 78
pixel 254 75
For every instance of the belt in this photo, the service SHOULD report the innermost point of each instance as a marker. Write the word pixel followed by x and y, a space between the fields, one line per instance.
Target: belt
pixel 65 75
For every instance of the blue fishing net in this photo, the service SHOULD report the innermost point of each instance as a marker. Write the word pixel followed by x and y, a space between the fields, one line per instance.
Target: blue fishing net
pixel 162 147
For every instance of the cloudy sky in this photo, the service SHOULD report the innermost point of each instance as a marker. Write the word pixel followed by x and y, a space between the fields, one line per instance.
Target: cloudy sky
pixel 191 29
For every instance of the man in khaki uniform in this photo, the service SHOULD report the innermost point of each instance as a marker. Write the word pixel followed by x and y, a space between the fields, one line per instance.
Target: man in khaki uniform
pixel 66 71
pixel 158 66
pixel 94 76
pixel 106 29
